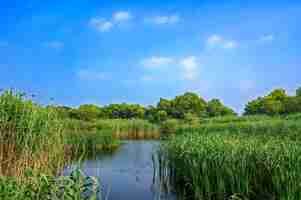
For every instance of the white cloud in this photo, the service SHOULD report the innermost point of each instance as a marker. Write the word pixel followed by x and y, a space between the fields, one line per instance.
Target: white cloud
pixel 54 44
pixel 230 44
pixel 218 41
pixel 268 37
pixel 167 19
pixel 214 39
pixel 190 68
pixel 122 16
pixel 86 74
pixel 185 68
pixel 105 25
pixel 156 61
pixel 101 24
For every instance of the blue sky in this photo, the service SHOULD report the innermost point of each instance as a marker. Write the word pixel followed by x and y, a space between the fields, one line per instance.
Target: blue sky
pixel 132 51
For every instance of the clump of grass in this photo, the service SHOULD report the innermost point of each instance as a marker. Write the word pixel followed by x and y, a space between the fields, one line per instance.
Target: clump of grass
pixel 121 128
pixel 34 137
pixel 90 143
pixel 276 127
pixel 130 129
pixel 31 136
pixel 233 119
pixel 76 186
pixel 225 162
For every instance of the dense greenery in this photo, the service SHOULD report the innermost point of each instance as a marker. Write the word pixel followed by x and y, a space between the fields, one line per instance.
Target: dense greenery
pixel 33 138
pixel 181 107
pixel 276 103
pixel 185 107
pixel 27 133
pixel 239 159
pixel 212 154
pixel 77 186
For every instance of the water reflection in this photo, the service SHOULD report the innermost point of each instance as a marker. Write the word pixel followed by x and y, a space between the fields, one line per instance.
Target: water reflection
pixel 128 173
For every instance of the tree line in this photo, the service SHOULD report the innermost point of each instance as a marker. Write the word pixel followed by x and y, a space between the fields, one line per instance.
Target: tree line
pixel 186 106
pixel 275 103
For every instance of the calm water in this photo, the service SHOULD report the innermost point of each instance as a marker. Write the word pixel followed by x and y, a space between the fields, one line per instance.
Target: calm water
pixel 128 174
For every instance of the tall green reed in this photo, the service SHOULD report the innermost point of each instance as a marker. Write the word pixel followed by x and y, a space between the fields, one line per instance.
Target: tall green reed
pixel 28 133
pixel 230 161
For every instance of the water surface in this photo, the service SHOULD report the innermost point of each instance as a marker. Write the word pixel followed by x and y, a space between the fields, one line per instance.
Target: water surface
pixel 128 173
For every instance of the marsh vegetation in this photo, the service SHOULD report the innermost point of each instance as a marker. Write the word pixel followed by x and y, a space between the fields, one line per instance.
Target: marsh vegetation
pixel 207 151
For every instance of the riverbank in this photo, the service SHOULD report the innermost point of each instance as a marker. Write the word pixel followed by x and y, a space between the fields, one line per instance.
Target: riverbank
pixel 256 158
pixel 36 146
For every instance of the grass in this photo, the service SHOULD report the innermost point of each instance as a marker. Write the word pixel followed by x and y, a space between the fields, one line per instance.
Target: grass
pixel 130 129
pixel 245 159
pixel 28 132
pixel 39 186
pixel 135 129
pixel 90 143
pixel 33 138
pixel 270 126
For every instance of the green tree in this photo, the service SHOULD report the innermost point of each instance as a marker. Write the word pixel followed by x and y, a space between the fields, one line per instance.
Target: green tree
pixel 89 112
pixel 161 116
pixel 191 119
pixel 188 103
pixel 254 107
pixel 272 106
pixel 278 94
pixel 124 111
pixel 216 108
pixel 292 105
pixel 166 105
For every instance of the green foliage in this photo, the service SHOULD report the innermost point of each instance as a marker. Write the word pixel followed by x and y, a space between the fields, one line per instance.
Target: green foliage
pixel 191 119
pixel 25 123
pixel 216 108
pixel 89 112
pixel 272 106
pixel 169 126
pixel 247 158
pixel 40 186
pixel 29 132
pixel 161 115
pixel 189 103
pixel 124 111
pixel 62 111
pixel 35 137
pixel 91 143
pixel 276 103
pixel 129 128
pixel 165 105
pixel 175 108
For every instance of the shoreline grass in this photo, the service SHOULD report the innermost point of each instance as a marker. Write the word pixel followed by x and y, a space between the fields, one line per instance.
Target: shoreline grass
pixel 252 160
pixel 34 139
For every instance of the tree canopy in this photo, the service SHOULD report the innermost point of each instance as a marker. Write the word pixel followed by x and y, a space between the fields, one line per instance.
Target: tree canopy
pixel 275 103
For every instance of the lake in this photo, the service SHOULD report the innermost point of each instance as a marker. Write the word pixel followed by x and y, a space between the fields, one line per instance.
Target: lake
pixel 127 173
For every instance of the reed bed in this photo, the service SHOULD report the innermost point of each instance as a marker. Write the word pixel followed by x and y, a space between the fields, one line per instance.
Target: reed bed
pixel 234 161
pixel 28 133
pixel 91 143
pixel 135 129
pixel 273 127
pixel 34 139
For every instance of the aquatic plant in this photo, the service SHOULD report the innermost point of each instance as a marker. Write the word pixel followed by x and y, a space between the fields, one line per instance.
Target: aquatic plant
pixel 76 186
pixel 253 161
pixel 31 136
